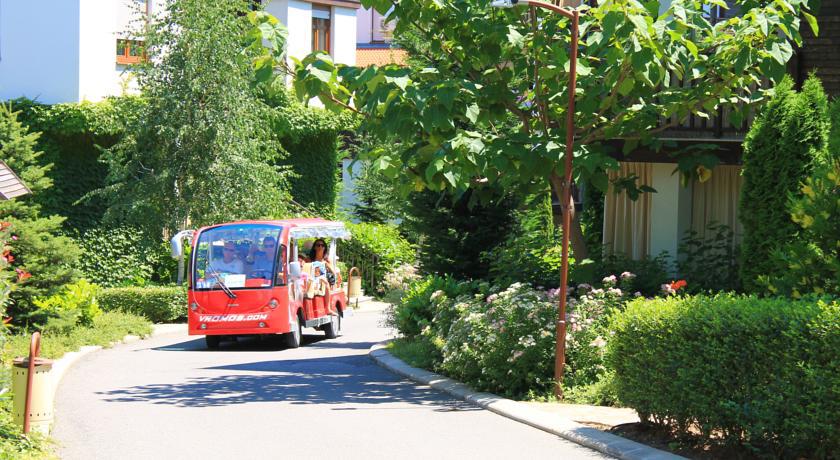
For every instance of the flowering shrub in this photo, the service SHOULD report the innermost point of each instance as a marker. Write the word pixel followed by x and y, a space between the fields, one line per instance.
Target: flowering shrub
pixel 396 283
pixel 504 343
pixel 503 340
pixel 416 309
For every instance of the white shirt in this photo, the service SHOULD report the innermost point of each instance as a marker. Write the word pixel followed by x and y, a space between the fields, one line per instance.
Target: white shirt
pixel 220 266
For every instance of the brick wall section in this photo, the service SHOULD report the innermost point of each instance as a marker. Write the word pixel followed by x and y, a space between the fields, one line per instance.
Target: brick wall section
pixel 380 56
pixel 822 54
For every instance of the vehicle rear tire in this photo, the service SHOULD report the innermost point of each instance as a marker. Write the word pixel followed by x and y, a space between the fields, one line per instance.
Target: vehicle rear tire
pixel 294 337
pixel 212 341
pixel 333 327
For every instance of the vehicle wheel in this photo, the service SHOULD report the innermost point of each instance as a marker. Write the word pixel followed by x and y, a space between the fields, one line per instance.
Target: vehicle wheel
pixel 333 326
pixel 293 338
pixel 212 341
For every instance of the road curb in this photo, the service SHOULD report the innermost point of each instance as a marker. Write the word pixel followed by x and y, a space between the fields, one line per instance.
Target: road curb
pixel 592 438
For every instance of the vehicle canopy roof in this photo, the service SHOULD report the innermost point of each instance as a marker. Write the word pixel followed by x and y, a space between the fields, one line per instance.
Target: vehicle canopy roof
pixel 297 228
pixel 301 228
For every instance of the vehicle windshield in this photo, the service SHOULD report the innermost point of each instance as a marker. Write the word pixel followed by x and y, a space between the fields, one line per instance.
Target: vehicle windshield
pixel 236 256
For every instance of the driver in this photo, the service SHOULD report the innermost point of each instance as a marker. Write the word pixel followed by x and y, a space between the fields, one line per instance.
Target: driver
pixel 229 263
pixel 261 262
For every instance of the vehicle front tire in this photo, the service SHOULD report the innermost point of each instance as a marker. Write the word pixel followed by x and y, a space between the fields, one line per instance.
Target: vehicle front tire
pixel 212 341
pixel 333 327
pixel 293 338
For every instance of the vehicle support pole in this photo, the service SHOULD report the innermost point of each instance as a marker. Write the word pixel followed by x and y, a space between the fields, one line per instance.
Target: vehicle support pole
pixel 34 350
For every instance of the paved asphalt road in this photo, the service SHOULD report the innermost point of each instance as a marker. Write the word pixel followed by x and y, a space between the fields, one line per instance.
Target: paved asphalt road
pixel 168 397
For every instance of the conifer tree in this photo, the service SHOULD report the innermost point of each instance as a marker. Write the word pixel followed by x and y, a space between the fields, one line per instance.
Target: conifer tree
pixel 786 141
pixel 38 258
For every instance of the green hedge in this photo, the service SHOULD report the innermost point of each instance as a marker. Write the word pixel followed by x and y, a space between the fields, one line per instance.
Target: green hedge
pixel 160 304
pixel 72 135
pixel 311 136
pixel 376 249
pixel 762 373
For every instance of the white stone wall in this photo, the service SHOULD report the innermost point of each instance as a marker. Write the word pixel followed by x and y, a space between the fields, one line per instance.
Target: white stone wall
pixel 343 30
pixel 364 16
pixel 97 49
pixel 39 50
pixel 299 23
pixel 65 50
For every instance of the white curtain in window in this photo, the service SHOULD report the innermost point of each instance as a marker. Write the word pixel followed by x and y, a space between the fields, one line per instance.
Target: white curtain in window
pixel 716 200
pixel 627 222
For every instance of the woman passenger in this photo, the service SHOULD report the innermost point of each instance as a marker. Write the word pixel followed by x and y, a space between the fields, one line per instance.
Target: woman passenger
pixel 318 253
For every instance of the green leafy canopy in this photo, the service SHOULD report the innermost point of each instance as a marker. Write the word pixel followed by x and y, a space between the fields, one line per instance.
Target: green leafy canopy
pixel 489 102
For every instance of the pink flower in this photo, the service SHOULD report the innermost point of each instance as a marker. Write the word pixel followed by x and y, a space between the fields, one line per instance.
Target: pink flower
pixel 627 275
pixel 609 280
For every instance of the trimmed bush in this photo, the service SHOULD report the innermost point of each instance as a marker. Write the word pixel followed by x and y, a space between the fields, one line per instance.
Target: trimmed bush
pixel 376 248
pixel 764 373
pixel 784 143
pixel 417 308
pixel 160 304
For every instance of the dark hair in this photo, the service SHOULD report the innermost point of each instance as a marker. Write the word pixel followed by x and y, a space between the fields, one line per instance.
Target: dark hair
pixel 312 249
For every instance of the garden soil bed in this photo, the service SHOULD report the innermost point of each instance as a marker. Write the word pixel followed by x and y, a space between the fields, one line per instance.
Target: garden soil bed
pixel 664 439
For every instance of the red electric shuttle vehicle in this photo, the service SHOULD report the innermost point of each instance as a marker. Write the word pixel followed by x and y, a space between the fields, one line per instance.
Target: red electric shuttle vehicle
pixel 245 278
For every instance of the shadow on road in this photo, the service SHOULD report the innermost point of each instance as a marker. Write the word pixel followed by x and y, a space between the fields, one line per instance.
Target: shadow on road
pixel 247 343
pixel 333 380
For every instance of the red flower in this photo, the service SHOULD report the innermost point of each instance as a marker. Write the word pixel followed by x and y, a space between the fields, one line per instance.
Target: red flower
pixel 5 225
pixel 677 285
pixel 22 274
pixel 7 254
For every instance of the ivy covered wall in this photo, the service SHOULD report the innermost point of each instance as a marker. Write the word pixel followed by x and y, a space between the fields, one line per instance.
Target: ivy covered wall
pixel 74 134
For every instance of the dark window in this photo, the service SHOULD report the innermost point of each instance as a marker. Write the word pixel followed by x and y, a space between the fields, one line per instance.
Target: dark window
pixel 321 26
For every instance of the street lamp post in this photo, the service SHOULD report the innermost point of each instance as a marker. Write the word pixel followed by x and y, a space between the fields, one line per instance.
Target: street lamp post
pixel 560 342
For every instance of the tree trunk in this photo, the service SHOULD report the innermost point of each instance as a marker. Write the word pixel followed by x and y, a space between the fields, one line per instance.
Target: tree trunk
pixel 576 240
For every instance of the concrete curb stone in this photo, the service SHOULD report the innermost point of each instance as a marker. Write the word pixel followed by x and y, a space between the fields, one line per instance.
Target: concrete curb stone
pixel 606 443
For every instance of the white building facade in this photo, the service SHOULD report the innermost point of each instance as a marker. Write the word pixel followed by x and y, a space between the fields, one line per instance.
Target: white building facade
pixel 75 50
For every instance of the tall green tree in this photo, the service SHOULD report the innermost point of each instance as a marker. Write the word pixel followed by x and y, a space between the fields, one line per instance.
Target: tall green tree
pixel 203 151
pixel 36 256
pixel 786 141
pixel 453 233
pixel 489 105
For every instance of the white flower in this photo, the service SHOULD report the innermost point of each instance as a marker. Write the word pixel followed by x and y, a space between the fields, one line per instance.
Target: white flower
pixel 627 276
pixel 435 295
pixel 615 292
pixel 667 289
pixel 637 294
pixel 527 341
pixel 492 297
pixel 517 354
pixel 545 334
pixel 598 342
pixel 609 280
pixel 584 287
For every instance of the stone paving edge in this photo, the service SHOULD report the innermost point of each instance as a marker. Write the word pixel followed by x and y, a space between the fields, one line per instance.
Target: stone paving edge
pixel 570 430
